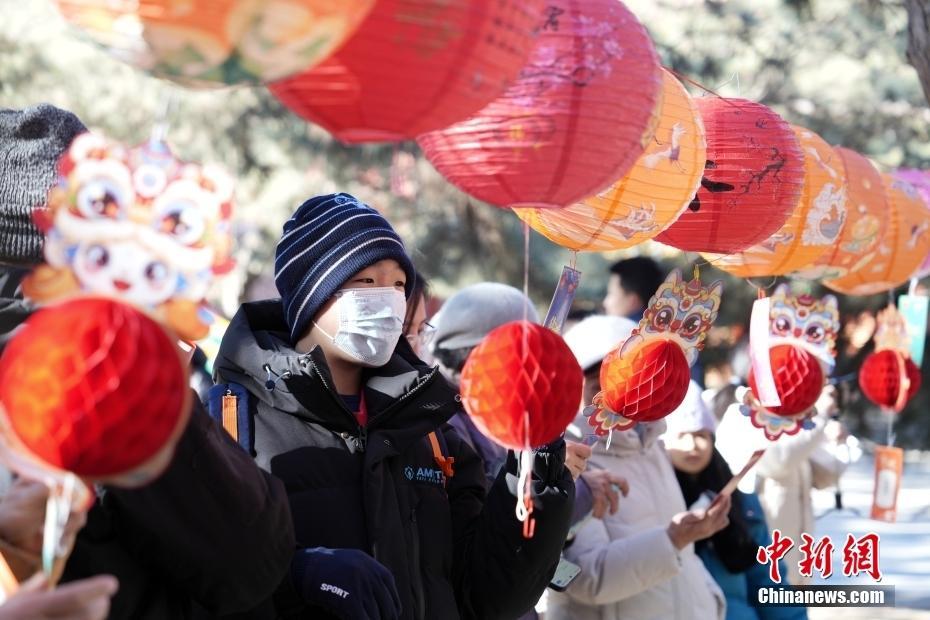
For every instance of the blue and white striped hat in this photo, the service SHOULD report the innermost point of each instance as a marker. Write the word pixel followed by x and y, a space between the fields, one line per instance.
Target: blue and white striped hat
pixel 328 240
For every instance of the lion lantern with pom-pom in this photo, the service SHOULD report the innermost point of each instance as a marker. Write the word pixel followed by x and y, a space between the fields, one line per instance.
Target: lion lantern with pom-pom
pixel 647 377
pixel 802 339
pixel 135 224
pixel 889 377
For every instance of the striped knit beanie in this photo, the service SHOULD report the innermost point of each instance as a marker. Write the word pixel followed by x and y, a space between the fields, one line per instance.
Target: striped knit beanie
pixel 31 141
pixel 327 241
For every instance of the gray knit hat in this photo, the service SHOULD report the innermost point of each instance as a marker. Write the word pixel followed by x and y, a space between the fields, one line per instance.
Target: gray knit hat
pixel 476 310
pixel 31 141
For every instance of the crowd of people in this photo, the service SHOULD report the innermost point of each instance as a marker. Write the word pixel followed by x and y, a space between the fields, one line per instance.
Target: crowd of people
pixel 354 485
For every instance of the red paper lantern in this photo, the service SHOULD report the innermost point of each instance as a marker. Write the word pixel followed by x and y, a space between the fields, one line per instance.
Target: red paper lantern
pixel 576 119
pixel 752 180
pixel 799 379
pixel 415 66
pixel 646 384
pixel 94 387
pixel 521 385
pixel 889 379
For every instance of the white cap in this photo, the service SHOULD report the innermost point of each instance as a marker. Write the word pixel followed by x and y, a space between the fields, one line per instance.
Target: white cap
pixel 692 415
pixel 592 338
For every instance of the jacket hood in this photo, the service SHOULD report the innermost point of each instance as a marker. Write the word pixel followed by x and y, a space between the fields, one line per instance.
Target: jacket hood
pixel 256 353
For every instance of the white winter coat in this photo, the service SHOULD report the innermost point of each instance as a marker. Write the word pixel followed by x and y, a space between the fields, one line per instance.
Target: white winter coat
pixel 791 467
pixel 629 567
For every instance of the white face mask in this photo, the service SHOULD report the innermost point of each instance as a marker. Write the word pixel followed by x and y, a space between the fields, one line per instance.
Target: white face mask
pixel 370 323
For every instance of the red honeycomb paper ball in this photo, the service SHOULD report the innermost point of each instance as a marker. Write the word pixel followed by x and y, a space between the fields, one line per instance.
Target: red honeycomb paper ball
pixel 798 378
pixel 521 367
pixel 93 386
pixel 646 383
pixel 882 376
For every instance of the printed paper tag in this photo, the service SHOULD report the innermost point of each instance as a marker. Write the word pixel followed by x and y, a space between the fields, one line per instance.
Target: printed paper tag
pixel 562 299
pixel 889 464
pixel 759 353
pixel 914 309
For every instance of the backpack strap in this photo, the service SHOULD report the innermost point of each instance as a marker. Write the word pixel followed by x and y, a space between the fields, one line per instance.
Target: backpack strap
pixel 228 404
pixel 440 449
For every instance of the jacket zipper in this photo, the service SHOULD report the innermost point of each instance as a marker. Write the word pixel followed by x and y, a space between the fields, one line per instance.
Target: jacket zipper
pixel 361 433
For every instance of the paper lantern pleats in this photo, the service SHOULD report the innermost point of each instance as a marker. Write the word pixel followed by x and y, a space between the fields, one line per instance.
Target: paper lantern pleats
pixel 900 250
pixel 752 179
pixel 220 41
pixel 647 199
pixel 521 385
pixel 94 387
pixel 578 116
pixel 889 379
pixel 866 220
pixel 415 66
pixel 814 225
pixel 798 378
pixel 921 182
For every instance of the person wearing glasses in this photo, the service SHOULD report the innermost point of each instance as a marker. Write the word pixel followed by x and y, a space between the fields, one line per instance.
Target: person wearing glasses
pixel 417 330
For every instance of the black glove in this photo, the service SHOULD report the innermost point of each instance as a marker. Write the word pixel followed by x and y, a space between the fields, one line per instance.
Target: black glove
pixel 345 582
pixel 548 467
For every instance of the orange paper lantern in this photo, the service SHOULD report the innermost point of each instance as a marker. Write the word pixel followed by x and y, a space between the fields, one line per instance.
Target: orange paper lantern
pixel 94 387
pixel 521 385
pixel 866 220
pixel 220 41
pixel 647 199
pixel 752 179
pixel 901 249
pixel 814 226
pixel 415 66
pixel 578 116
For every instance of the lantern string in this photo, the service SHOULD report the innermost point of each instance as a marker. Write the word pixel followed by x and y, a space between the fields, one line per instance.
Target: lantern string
pixel 685 78
pixel 761 288
pixel 891 437
pixel 162 122
pixel 912 287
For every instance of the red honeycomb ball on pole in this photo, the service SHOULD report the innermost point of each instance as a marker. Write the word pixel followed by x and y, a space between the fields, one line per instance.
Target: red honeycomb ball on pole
pixel 799 379
pixel 575 120
pixel 94 387
pixel 647 383
pixel 521 372
pixel 889 379
pixel 415 66
pixel 752 180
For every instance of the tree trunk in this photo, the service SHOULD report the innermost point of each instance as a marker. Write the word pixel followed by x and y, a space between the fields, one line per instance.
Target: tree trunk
pixel 918 40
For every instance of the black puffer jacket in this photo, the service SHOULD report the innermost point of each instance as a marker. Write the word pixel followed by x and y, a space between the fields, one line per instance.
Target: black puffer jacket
pixel 454 549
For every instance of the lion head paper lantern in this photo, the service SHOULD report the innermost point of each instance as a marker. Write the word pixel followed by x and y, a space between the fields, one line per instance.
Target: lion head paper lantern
pixel 415 66
pixel 647 376
pixel 136 224
pixel 866 221
pixel 814 225
pixel 94 387
pixel 888 377
pixel 577 117
pixel 802 350
pixel 521 385
pixel 220 41
pixel 752 179
pixel 647 199
pixel 900 250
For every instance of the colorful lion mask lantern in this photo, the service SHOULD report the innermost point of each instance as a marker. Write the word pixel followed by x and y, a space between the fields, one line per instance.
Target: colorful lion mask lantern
pixel 647 377
pixel 139 225
pixel 802 351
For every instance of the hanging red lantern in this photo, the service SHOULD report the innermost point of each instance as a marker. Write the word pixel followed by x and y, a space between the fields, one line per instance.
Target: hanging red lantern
pixel 415 66
pixel 576 119
pixel 94 387
pixel 647 376
pixel 752 180
pixel 521 385
pixel 799 379
pixel 221 41
pixel 889 379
